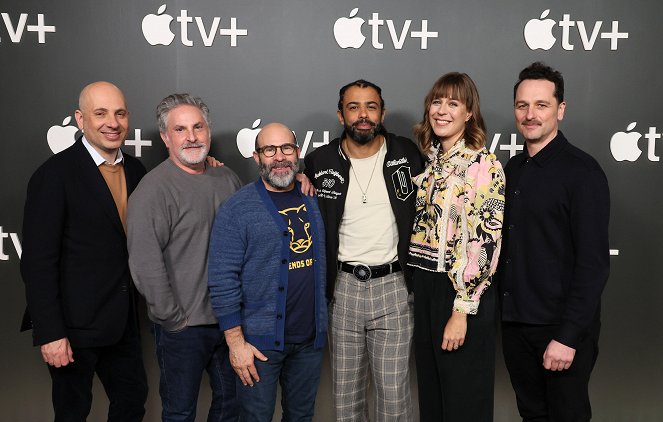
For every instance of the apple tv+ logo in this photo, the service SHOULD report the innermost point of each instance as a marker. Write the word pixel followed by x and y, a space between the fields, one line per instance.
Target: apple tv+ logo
pixel 246 139
pixel 624 145
pixel 348 33
pixel 539 33
pixel 13 237
pixel 15 29
pixel 156 29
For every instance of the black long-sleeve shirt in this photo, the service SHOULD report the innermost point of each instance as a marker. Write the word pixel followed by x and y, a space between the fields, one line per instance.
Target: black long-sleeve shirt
pixel 555 253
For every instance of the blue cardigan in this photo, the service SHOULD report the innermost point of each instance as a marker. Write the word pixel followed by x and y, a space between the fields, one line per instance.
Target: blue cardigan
pixel 248 267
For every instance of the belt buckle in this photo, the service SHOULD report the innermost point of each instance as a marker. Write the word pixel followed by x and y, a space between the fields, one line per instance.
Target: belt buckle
pixel 362 272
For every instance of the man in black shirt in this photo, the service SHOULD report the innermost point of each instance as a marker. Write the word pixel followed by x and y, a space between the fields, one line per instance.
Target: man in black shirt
pixel 555 259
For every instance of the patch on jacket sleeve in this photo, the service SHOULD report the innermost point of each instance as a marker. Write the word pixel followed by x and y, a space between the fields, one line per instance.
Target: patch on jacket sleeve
pixel 402 179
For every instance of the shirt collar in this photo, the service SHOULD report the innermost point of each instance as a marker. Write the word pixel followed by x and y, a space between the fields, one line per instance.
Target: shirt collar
pixel 547 153
pixel 98 159
pixel 454 150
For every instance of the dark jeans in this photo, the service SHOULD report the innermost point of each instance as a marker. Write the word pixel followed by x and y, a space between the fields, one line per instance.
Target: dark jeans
pixel 543 395
pixel 455 386
pixel 183 356
pixel 297 369
pixel 120 370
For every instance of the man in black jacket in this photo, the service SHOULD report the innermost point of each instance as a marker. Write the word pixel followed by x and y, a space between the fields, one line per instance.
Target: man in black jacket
pixel 366 198
pixel 75 267
pixel 555 257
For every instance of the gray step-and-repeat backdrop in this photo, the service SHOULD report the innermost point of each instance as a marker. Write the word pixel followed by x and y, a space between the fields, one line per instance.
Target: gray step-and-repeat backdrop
pixel 259 61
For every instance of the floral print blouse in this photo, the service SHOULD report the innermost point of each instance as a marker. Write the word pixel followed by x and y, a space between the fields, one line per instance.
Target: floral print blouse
pixel 458 220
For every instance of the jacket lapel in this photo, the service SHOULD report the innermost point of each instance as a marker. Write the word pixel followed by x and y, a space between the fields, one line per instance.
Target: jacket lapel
pixel 131 174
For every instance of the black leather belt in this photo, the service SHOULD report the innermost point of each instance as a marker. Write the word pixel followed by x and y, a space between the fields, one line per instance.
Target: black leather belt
pixel 365 272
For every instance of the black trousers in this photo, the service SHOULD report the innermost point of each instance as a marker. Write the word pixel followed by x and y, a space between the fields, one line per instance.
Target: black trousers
pixel 543 395
pixel 455 386
pixel 120 370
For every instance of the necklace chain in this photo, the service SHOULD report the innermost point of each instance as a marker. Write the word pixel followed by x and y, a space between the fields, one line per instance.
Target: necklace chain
pixel 364 198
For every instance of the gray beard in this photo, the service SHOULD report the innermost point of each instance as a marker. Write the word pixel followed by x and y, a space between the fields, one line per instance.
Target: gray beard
pixel 278 181
pixel 194 161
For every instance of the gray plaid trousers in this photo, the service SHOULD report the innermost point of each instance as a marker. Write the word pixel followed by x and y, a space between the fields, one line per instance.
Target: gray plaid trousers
pixel 371 326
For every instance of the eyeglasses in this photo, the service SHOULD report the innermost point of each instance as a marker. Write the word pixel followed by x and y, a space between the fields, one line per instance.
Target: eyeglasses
pixel 270 150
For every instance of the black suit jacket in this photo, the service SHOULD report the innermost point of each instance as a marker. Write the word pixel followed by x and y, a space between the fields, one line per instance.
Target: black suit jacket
pixel 75 260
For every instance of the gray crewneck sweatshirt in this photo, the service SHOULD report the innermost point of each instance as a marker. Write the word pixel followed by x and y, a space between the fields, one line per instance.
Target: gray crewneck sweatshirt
pixel 170 217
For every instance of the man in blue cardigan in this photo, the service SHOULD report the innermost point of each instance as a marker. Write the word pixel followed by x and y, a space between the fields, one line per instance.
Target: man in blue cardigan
pixel 267 283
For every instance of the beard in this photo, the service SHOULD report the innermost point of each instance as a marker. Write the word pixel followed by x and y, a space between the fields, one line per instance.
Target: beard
pixel 195 156
pixel 279 181
pixel 362 136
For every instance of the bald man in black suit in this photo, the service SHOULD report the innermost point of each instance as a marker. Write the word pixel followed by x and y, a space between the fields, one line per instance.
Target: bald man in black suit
pixel 80 296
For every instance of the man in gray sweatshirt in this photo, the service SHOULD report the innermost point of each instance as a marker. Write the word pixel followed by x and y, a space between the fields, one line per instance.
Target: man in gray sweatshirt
pixel 170 216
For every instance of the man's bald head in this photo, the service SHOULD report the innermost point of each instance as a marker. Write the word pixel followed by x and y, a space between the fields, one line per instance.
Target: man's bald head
pixel 275 130
pixel 94 89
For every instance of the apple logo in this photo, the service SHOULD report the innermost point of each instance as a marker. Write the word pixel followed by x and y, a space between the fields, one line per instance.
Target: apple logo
pixel 61 137
pixel 624 145
pixel 156 28
pixel 347 31
pixel 538 32
pixel 246 139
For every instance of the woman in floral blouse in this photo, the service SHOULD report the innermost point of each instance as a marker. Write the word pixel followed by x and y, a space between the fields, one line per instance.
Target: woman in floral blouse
pixel 454 249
